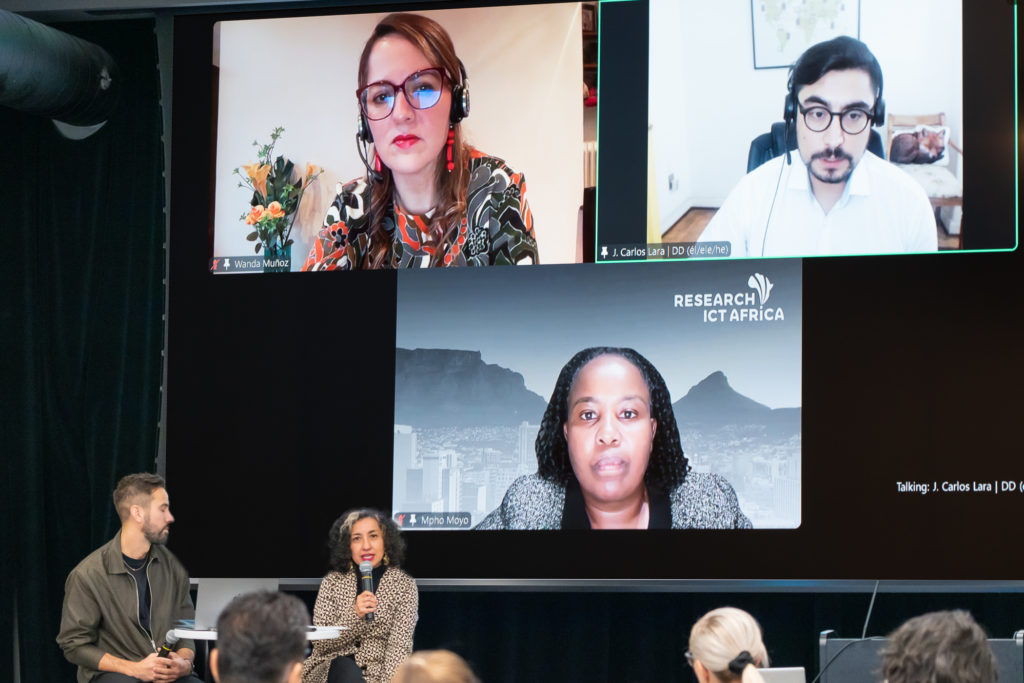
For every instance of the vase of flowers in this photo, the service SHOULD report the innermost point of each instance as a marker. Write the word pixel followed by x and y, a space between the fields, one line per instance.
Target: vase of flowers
pixel 276 195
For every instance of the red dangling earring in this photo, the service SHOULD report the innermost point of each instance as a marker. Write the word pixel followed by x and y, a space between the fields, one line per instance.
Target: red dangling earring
pixel 376 161
pixel 451 140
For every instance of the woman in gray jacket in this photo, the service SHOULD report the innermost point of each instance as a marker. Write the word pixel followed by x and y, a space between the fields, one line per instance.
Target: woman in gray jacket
pixel 609 457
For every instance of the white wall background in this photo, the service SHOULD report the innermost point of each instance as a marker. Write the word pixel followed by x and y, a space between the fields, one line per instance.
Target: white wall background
pixel 707 102
pixel 525 70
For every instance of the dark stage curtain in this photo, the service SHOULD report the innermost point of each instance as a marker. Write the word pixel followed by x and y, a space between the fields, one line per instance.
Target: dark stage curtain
pixel 640 637
pixel 82 231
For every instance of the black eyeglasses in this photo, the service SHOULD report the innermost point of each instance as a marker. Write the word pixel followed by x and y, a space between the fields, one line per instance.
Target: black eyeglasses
pixel 422 91
pixel 852 121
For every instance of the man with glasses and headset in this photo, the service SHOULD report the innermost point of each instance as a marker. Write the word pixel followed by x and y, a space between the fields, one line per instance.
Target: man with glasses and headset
pixel 835 197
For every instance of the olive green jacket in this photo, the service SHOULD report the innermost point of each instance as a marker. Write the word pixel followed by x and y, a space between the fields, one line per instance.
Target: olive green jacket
pixel 101 608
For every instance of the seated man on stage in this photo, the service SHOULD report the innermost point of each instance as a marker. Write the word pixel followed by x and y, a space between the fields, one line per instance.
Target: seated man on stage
pixel 261 638
pixel 833 197
pixel 121 600
pixel 939 646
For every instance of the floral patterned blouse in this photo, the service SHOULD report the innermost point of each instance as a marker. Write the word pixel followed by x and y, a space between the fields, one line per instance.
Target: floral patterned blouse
pixel 497 229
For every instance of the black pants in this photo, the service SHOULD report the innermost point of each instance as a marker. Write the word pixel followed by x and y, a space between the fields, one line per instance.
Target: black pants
pixel 110 677
pixel 345 670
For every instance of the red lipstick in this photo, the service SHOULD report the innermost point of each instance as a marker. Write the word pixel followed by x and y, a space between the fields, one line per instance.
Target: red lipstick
pixel 405 141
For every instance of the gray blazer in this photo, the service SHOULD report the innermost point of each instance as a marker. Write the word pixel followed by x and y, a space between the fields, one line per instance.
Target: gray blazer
pixel 702 501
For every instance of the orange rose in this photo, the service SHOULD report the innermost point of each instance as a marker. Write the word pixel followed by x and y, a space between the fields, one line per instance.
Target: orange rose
pixel 255 215
pixel 275 210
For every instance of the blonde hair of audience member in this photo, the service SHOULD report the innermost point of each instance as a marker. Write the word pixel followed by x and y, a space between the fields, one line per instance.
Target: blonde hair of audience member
pixel 726 645
pixel 434 666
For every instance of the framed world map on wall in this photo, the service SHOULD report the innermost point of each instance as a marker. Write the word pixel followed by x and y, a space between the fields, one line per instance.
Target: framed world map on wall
pixel 783 29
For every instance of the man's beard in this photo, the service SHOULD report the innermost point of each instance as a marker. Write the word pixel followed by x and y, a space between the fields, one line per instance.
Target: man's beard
pixel 156 536
pixel 832 155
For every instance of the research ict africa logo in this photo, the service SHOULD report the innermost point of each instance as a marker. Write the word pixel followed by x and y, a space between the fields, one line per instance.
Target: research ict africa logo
pixel 734 307
pixel 762 285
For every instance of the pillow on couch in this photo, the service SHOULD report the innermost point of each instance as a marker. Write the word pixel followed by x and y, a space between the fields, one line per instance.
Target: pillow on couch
pixel 920 145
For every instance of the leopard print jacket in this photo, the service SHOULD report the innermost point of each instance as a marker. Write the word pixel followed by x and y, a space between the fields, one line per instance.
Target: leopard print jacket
pixel 379 646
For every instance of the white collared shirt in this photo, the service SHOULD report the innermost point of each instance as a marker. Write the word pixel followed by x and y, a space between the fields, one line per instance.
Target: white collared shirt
pixel 882 211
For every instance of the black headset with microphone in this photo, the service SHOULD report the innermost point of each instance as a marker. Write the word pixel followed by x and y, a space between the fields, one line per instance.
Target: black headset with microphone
pixel 459 110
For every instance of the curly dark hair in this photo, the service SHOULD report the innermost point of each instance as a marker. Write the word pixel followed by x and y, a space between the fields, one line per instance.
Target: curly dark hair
pixel 939 646
pixel 668 465
pixel 339 540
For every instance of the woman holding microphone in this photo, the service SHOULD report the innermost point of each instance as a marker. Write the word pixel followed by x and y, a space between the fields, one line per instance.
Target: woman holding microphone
pixel 366 550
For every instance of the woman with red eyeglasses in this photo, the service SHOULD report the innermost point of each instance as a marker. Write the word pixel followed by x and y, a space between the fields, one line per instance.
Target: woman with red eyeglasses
pixel 428 198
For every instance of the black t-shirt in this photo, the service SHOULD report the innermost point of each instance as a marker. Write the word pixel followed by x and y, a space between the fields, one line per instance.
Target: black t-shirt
pixel 574 513
pixel 137 568
pixel 377 572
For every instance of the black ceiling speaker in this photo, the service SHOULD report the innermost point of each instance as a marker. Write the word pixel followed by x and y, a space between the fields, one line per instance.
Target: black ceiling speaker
pixel 50 73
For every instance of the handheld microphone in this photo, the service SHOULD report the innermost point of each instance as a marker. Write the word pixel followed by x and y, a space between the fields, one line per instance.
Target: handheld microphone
pixel 366 581
pixel 170 640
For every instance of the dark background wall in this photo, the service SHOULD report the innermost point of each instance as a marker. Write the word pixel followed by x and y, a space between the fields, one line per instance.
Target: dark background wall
pixel 83 229
pixel 83 233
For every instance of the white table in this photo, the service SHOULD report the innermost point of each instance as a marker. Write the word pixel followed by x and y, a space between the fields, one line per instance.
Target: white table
pixel 209 634
pixel 316 633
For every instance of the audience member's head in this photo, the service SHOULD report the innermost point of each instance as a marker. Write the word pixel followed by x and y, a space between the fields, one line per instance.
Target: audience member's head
pixel 726 645
pixel 261 638
pixel 434 666
pixel 939 647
